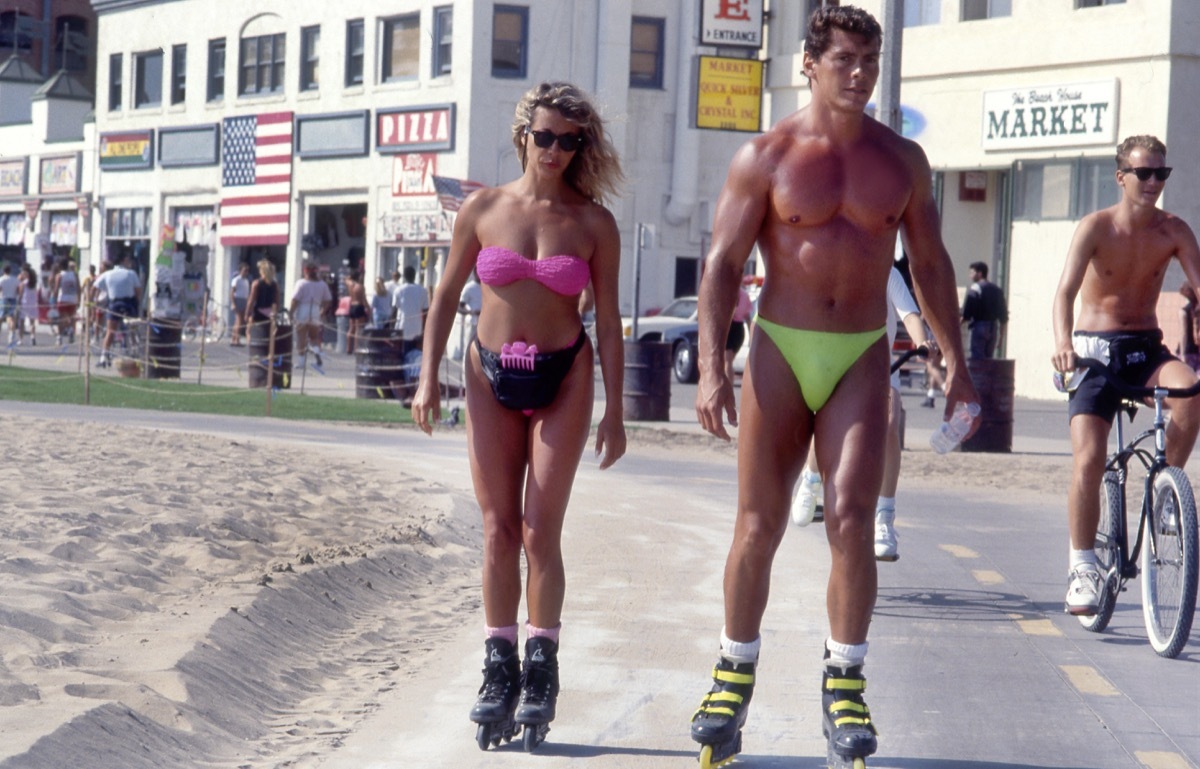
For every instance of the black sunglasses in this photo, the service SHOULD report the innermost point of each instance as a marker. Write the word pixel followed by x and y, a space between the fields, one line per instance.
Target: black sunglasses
pixel 566 142
pixel 1144 173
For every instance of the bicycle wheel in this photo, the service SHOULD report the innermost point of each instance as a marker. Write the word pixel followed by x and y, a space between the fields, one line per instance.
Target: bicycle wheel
pixel 189 329
pixel 1108 554
pixel 1169 563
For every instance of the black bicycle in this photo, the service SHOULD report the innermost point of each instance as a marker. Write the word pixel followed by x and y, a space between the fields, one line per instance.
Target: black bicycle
pixel 1166 538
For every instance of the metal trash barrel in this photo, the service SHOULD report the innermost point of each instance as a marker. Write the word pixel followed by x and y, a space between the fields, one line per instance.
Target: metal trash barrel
pixel 259 347
pixel 994 381
pixel 647 392
pixel 164 342
pixel 378 363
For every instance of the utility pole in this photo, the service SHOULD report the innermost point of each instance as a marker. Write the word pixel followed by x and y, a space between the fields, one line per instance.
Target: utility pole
pixel 888 112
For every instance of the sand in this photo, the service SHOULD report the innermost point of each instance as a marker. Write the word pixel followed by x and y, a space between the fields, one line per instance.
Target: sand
pixel 209 599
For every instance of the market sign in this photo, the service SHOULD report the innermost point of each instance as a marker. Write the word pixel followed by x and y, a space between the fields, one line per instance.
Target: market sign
pixel 12 177
pixel 415 129
pixel 128 150
pixel 733 23
pixel 1069 115
pixel 729 94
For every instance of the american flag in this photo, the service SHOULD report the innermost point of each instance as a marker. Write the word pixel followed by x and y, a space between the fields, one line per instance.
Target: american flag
pixel 256 179
pixel 452 192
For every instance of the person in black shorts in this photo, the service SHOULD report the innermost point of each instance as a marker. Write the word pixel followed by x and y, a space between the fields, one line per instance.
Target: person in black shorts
pixel 1115 266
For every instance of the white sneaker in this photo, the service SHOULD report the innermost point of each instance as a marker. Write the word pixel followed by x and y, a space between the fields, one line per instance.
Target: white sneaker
pixel 886 546
pixel 804 504
pixel 1083 590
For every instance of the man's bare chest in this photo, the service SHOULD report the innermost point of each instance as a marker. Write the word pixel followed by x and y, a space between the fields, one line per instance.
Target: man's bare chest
pixel 870 192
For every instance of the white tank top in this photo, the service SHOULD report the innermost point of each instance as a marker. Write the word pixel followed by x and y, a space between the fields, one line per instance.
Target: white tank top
pixel 68 287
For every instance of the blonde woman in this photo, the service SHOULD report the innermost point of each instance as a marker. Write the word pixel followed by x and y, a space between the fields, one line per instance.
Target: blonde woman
pixel 264 295
pixel 535 243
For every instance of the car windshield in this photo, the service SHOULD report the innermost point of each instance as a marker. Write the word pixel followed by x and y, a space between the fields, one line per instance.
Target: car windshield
pixel 680 308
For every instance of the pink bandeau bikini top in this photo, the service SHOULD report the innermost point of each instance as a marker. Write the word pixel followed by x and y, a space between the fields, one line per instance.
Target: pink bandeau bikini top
pixel 564 274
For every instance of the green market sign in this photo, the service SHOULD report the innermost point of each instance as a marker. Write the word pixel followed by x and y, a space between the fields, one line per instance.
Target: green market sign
pixel 1069 115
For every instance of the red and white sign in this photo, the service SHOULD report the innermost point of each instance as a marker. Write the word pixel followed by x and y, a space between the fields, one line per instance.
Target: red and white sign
pixel 422 128
pixel 731 23
pixel 412 174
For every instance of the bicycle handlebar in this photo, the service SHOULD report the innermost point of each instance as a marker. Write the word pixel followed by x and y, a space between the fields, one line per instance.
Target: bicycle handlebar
pixel 919 351
pixel 1122 388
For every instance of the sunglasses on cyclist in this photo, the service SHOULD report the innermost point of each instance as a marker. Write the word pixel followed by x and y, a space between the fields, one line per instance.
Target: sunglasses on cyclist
pixel 1143 173
pixel 566 142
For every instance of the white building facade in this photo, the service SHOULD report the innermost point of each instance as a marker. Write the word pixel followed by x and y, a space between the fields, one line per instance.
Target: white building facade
pixel 364 102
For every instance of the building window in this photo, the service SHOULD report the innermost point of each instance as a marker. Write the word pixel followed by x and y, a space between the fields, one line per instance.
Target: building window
pixel 116 81
pixel 178 74
pixel 147 79
pixel 1063 189
pixel 443 29
pixel 919 13
pixel 401 48
pixel 1097 186
pixel 1096 3
pixel 71 43
pixel 646 52
pixel 310 58
pixel 14 36
pixel 985 9
pixel 510 31
pixel 262 65
pixel 216 69
pixel 355 45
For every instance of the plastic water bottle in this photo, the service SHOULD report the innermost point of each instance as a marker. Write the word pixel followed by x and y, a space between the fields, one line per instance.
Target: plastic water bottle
pixel 950 434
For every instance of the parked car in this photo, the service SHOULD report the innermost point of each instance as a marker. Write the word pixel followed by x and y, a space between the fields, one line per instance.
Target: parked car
pixel 685 350
pixel 651 328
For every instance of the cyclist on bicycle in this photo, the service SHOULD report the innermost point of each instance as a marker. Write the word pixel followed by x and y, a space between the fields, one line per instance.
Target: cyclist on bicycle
pixel 124 290
pixel 1116 264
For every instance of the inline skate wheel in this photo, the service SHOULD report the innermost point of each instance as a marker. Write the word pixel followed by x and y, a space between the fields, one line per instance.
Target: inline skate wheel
pixel 483 736
pixel 534 734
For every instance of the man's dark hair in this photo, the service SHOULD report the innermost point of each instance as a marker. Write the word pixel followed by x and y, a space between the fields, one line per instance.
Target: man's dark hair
pixel 848 18
pixel 980 268
pixel 410 274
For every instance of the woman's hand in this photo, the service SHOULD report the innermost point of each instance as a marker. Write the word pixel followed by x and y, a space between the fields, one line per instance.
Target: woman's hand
pixel 610 439
pixel 427 400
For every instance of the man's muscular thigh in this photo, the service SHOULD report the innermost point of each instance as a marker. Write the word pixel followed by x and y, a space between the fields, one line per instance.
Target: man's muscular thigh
pixel 851 428
pixel 775 425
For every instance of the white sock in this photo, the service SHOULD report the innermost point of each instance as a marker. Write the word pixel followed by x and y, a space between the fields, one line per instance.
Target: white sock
pixel 810 478
pixel 885 503
pixel 739 652
pixel 1084 558
pixel 845 655
pixel 932 392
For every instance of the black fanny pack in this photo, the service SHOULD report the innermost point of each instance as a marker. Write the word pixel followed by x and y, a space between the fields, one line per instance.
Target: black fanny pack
pixel 1133 351
pixel 525 381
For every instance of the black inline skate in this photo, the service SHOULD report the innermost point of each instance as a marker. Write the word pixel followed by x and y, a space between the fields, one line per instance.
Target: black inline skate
pixel 539 690
pixel 497 701
pixel 845 718
pixel 717 723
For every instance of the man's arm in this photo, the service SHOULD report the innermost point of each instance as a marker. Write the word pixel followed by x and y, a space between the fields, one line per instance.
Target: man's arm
pixel 1063 319
pixel 741 210
pixel 933 279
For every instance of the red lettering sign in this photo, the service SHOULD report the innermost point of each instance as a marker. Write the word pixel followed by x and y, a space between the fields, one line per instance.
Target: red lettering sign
pixel 735 10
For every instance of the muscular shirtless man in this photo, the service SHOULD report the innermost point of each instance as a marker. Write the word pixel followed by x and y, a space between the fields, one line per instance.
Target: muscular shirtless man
pixel 1116 264
pixel 823 194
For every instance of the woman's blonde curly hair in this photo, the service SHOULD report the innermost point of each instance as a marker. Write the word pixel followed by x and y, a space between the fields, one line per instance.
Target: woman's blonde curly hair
pixel 595 170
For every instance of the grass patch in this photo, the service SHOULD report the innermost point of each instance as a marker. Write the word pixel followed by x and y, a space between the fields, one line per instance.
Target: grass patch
pixel 37 386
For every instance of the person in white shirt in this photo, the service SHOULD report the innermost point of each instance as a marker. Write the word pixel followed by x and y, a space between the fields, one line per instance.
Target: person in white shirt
pixel 239 291
pixel 311 299
pixel 411 303
pixel 124 291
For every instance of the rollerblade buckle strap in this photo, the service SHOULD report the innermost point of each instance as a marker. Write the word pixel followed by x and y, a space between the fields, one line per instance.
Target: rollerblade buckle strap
pixel 845 684
pixel 729 676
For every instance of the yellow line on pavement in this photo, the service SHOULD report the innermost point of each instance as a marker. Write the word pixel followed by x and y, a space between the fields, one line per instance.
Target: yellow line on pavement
pixel 987 577
pixel 958 551
pixel 1088 680
pixel 1038 627
pixel 1161 759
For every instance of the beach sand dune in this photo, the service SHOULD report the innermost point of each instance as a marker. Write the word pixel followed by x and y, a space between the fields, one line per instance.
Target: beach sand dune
pixel 171 599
